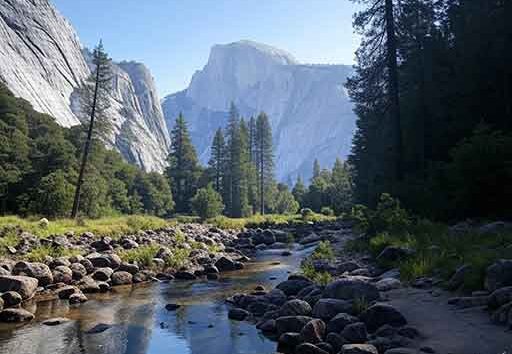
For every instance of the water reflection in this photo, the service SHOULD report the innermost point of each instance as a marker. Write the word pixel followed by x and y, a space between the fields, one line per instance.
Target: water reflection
pixel 141 325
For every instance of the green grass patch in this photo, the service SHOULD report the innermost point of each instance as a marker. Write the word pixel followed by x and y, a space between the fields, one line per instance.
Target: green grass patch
pixel 267 221
pixel 309 271
pixel 108 226
pixel 323 251
pixel 39 254
pixel 142 256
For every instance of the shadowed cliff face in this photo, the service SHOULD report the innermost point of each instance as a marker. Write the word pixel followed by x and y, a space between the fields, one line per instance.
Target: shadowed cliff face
pixel 41 60
pixel 139 324
pixel 310 112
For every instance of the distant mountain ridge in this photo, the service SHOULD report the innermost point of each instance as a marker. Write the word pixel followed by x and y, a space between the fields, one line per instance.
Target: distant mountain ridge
pixel 310 112
pixel 42 61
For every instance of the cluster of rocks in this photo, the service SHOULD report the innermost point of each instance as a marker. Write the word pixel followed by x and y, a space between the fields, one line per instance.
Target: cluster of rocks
pixel 497 296
pixel 346 316
pixel 211 251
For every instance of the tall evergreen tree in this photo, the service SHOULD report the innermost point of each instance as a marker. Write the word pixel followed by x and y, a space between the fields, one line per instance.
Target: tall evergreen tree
pixel 299 191
pixel 183 170
pixel 94 103
pixel 264 157
pixel 217 161
pixel 316 169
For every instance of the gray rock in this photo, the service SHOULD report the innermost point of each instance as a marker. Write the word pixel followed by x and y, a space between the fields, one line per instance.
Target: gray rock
pixel 25 286
pixel 457 279
pixel 500 297
pixel 387 284
pixel 185 275
pixel 11 299
pixel 381 314
pixel 401 351
pixel 36 270
pixel 291 324
pixel 238 314
pixel 55 321
pixel 347 267
pixel 88 285
pixel 13 315
pixel 326 309
pixel 359 349
pixel 62 274
pixel 78 271
pixel 129 267
pixel 499 275
pixel 102 274
pixel 295 307
pixel 121 278
pixel 355 333
pixel 77 298
pixel 225 264
pixel 292 287
pixel 313 331
pixel 351 289
pixel 66 291
pixel 336 341
pixel 308 348
pixel 340 321
pixel 290 340
pixel 276 297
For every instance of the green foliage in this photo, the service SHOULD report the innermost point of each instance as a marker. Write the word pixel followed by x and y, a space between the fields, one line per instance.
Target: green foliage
pixel 327 211
pixel 178 259
pixel 306 213
pixel 360 305
pixel 324 251
pixel 142 256
pixel 207 203
pixel 53 196
pixel 40 253
pixel 308 270
pixel 285 203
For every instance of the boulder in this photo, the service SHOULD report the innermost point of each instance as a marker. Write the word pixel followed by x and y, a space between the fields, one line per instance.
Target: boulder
pixel 291 324
pixel 503 315
pixel 102 245
pixel 500 297
pixel 292 287
pixel 382 314
pixel 401 351
pixel 347 267
pixel 355 333
pixel 387 284
pixel 308 348
pixel 25 286
pixel 36 270
pixel 295 307
pixel 276 297
pixel 313 331
pixel 77 298
pixel 327 347
pixel 358 349
pixel 88 285
pixel 121 278
pixel 62 274
pixel 98 260
pixel 78 271
pixel 238 314
pixel 326 309
pixel 340 321
pixel 66 291
pixel 457 279
pixel 185 275
pixel 225 264
pixel 351 289
pixel 13 315
pixel 89 267
pixel 102 274
pixel 336 341
pixel 172 307
pixel 55 321
pixel 11 299
pixel 129 267
pixel 289 340
pixel 499 275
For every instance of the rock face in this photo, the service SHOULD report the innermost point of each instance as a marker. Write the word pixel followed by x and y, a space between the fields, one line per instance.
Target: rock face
pixel 42 61
pixel 306 103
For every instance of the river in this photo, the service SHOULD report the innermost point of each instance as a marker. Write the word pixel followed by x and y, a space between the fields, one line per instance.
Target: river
pixel 140 324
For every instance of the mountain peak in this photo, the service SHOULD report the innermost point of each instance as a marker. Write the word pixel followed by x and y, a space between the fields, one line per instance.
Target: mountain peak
pixel 278 55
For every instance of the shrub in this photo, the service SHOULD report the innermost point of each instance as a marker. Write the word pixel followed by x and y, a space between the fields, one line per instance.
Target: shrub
pixel 207 203
pixel 327 211
pixel 306 212
pixel 142 256
pixel 309 271
pixel 324 250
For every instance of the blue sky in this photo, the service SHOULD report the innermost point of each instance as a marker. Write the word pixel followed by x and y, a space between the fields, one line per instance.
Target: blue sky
pixel 173 37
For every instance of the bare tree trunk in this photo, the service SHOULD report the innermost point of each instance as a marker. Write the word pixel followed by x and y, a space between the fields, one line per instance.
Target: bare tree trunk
pixel 87 147
pixel 393 87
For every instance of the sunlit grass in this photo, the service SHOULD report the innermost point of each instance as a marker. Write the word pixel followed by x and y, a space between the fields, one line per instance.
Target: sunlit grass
pixel 268 220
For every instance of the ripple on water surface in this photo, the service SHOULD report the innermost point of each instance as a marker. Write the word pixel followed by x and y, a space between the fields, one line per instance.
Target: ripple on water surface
pixel 139 324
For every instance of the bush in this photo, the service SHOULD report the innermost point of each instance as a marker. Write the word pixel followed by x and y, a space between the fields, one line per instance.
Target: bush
pixel 142 256
pixel 308 270
pixel 324 251
pixel 207 203
pixel 306 213
pixel 327 211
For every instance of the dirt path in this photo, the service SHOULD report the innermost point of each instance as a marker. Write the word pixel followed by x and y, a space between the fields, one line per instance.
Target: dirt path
pixel 448 330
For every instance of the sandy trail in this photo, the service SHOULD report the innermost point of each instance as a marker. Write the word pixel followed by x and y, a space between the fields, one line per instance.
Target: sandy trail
pixel 449 330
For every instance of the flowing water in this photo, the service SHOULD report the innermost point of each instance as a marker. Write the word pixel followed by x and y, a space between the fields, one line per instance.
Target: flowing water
pixel 139 323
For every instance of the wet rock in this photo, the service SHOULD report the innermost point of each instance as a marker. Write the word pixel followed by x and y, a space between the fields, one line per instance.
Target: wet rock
pixel 102 274
pixel 88 285
pixel 381 314
pixel 98 260
pixel 340 321
pixel 143 276
pixel 286 253
pixel 121 278
pixel 225 264
pixel 77 298
pixel 308 348
pixel 355 333
pixel 11 299
pixel 23 285
pixel 66 291
pixel 499 275
pixel 13 315
pixel 238 314
pixel 60 261
pixel 359 349
pixel 185 275
pixel 99 328
pixel 78 271
pixel 311 238
pixel 55 321
pixel 290 340
pixel 129 267
pixel 313 331
pixel 212 276
pixel 292 287
pixel 351 289
pixel 326 309
pixel 268 326
pixel 276 297
pixel 258 308
pixel 172 307
pixel 469 301
pixel 211 269
pixel 104 286
pixel 36 270
pixel 89 267
pixel 295 307
pixel 291 324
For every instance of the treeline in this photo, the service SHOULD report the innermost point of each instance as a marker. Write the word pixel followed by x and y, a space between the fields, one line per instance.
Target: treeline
pixel 433 95
pixel 39 162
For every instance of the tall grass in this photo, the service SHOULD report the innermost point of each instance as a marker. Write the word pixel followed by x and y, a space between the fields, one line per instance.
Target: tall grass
pixel 270 220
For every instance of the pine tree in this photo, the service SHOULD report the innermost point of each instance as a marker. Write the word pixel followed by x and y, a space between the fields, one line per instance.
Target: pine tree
pixel 341 187
pixel 316 169
pixel 94 103
pixel 217 161
pixel 264 157
pixel 299 191
pixel 183 170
